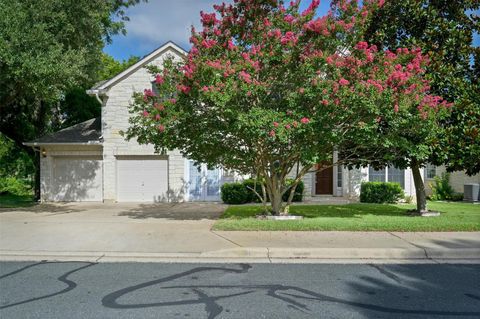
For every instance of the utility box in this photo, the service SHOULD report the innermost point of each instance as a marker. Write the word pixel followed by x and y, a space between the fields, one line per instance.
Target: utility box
pixel 471 192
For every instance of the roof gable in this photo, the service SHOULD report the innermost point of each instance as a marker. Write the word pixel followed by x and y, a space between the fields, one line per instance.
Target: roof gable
pixel 105 85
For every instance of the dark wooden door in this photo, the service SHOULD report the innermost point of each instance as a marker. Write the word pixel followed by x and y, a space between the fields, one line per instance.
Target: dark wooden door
pixel 324 182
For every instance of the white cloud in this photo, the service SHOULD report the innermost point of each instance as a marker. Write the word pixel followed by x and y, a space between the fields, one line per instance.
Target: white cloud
pixel 159 21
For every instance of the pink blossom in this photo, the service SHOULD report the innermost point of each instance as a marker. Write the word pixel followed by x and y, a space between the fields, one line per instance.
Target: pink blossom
pixel 148 92
pixel 289 18
pixel 295 123
pixel 205 88
pixel 145 113
pixel 305 120
pixel 288 126
pixel 215 64
pixel 343 82
pixel 185 89
pixel 159 107
pixel 325 102
pixel 272 133
pixel 161 128
pixel 159 79
pixel 157 117
pixel 208 43
pixel 188 70
pixel 301 90
pixel 275 33
pixel 275 124
pixel 289 37
pixel 312 7
pixel 395 107
pixel 194 50
pixel 208 19
pixel 318 25
pixel 245 76
pixel 173 101
pixel 362 45
pixel 231 46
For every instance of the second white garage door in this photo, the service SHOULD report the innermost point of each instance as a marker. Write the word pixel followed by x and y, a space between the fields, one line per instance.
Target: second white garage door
pixel 142 178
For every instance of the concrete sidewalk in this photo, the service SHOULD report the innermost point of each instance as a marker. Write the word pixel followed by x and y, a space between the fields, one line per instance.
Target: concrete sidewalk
pixel 155 233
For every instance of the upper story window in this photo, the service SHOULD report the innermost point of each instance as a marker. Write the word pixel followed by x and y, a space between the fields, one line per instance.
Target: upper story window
pixel 430 171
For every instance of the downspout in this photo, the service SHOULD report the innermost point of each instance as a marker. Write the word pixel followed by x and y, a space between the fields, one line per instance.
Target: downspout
pixel 98 97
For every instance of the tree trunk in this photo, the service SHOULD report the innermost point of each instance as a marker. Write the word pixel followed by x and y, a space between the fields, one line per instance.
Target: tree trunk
pixel 419 188
pixel 290 197
pixel 276 200
pixel 36 180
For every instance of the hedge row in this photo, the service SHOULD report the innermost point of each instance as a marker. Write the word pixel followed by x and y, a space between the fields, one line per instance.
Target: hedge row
pixel 381 192
pixel 241 193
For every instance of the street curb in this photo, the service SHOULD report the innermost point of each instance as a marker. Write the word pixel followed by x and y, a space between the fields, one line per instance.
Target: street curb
pixel 254 255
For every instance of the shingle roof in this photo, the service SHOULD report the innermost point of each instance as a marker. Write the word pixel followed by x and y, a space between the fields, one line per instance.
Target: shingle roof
pixel 86 132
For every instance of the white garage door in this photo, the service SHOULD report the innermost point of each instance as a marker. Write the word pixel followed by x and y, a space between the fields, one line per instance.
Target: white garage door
pixel 142 179
pixel 77 179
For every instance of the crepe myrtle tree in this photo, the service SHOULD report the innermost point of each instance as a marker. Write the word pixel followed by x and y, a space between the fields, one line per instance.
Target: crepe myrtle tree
pixel 270 90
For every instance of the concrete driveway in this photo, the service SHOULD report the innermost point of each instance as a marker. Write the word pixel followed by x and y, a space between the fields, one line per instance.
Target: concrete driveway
pixel 126 228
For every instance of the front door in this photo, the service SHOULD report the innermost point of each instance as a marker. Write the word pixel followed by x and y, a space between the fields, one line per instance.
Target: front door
pixel 324 181
pixel 204 183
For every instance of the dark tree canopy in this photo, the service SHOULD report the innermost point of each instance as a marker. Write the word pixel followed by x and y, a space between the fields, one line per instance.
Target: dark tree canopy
pixel 443 29
pixel 47 48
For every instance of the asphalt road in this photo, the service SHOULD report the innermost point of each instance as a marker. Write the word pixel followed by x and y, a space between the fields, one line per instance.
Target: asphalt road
pixel 147 290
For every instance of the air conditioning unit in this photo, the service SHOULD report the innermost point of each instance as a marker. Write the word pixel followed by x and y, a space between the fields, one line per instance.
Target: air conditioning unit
pixel 471 192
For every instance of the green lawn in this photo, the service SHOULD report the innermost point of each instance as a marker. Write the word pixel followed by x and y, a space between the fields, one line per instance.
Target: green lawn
pixel 356 217
pixel 12 201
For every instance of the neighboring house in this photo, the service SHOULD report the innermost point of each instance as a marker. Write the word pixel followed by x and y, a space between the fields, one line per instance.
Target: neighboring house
pixel 91 161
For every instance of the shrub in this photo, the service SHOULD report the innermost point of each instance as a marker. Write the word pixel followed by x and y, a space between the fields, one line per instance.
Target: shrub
pixel 15 186
pixel 241 193
pixel 235 193
pixel 380 192
pixel 441 189
pixel 456 197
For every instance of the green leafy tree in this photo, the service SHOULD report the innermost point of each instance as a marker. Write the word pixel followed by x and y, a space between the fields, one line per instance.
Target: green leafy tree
pixel 46 48
pixel 111 67
pixel 268 90
pixel 77 106
pixel 443 30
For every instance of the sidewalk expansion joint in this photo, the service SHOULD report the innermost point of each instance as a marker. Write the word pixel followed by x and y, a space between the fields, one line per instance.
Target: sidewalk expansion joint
pixel 268 255
pixel 96 260
pixel 229 240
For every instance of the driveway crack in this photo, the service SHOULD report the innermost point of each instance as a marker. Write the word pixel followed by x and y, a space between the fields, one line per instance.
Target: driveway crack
pixel 414 245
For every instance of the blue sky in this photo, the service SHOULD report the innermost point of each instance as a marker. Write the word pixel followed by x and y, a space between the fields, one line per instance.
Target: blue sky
pixel 158 21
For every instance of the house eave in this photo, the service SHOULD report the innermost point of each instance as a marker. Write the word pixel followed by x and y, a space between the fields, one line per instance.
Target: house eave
pixel 34 144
